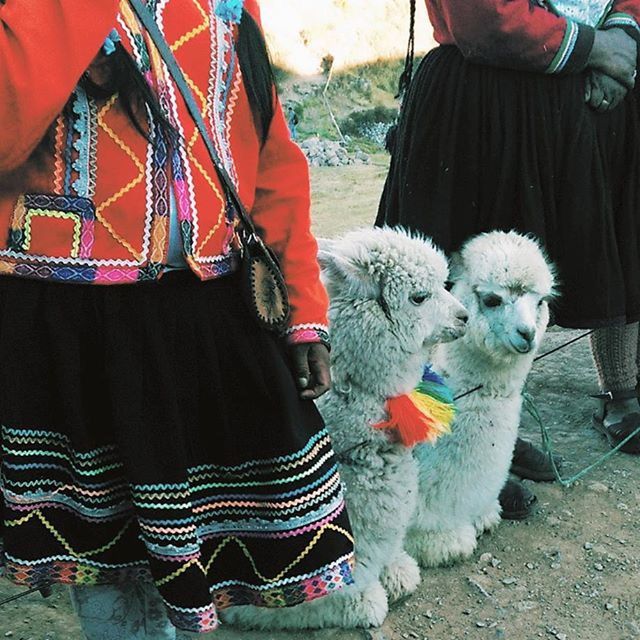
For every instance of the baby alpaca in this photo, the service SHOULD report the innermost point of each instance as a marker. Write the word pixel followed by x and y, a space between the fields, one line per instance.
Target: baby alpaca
pixel 504 281
pixel 388 307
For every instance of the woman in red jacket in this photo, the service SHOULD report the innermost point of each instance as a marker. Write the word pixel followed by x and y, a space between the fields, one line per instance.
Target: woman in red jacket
pixel 154 438
pixel 526 117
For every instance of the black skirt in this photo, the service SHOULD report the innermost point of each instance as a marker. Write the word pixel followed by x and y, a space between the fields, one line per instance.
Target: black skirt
pixel 155 428
pixel 481 148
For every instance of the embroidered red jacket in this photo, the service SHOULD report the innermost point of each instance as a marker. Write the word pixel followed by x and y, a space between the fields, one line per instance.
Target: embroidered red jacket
pixel 93 205
pixel 525 34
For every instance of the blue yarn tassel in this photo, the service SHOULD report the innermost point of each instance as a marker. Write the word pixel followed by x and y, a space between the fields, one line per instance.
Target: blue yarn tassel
pixel 230 10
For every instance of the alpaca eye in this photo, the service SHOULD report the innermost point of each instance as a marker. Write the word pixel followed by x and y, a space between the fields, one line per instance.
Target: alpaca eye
pixel 492 301
pixel 419 298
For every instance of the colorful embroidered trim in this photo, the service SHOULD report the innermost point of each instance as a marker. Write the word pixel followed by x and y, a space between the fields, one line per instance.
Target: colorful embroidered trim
pixel 303 333
pixel 422 415
pixel 621 20
pixel 567 47
pixel 251 533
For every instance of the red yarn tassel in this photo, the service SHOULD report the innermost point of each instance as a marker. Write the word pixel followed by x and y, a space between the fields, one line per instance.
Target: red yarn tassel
pixel 412 425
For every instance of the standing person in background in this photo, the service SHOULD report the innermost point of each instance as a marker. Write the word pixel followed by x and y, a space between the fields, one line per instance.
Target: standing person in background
pixel 292 120
pixel 526 117
pixel 160 451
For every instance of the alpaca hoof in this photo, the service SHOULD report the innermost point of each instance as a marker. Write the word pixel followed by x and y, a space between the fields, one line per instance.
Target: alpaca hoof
pixel 489 521
pixel 401 577
pixel 350 608
pixel 441 548
pixel 370 609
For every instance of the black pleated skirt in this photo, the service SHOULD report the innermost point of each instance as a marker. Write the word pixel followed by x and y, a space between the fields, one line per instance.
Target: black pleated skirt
pixel 154 428
pixel 481 148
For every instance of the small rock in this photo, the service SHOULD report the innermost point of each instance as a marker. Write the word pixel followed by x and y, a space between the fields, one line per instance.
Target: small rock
pixel 598 487
pixel 509 581
pixel 588 546
pixel 529 565
pixel 598 567
pixel 428 614
pixel 561 636
pixel 8 634
pixel 609 607
pixel 481 624
pixel 373 634
pixel 485 558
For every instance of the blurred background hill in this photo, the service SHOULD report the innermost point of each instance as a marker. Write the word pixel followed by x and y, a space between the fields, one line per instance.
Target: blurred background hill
pixel 303 32
pixel 362 43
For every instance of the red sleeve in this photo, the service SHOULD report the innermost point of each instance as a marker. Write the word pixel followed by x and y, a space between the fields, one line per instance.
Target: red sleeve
pixel 625 14
pixel 515 34
pixel 281 212
pixel 45 46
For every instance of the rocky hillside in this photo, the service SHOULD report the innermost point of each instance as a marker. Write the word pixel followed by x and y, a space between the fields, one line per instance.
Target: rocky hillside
pixel 302 32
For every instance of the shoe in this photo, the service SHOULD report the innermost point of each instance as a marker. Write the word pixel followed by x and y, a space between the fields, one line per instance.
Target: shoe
pixel 516 501
pixel 531 463
pixel 616 432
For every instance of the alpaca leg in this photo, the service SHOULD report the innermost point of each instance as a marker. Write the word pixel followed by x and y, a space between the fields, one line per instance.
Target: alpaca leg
pixel 489 520
pixel 401 576
pixel 363 604
pixel 439 548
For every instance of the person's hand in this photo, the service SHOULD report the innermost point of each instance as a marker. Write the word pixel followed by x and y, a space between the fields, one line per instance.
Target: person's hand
pixel 311 369
pixel 602 93
pixel 615 54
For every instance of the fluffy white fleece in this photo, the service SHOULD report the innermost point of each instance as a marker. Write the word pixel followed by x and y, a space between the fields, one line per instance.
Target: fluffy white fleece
pixel 388 306
pixel 504 281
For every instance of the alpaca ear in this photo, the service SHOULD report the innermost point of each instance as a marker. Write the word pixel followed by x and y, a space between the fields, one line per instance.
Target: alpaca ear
pixel 326 252
pixel 346 271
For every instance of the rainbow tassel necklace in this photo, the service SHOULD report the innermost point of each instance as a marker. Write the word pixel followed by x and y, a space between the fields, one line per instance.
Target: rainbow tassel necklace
pixel 422 415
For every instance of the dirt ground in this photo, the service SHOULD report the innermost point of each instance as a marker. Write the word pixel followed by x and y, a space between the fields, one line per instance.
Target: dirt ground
pixel 572 572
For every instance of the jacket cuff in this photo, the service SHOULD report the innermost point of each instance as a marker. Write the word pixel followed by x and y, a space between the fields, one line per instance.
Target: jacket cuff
pixel 307 333
pixel 623 21
pixel 574 52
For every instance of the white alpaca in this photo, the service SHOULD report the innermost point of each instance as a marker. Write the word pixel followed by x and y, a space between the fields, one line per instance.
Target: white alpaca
pixel 504 281
pixel 389 305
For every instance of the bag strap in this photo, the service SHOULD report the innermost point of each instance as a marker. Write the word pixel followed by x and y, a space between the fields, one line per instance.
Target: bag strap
pixel 156 36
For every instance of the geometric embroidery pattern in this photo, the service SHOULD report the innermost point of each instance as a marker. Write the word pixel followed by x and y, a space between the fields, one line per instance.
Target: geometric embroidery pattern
pixel 224 536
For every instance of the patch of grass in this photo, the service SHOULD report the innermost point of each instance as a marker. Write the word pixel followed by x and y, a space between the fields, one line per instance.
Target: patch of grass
pixel 363 88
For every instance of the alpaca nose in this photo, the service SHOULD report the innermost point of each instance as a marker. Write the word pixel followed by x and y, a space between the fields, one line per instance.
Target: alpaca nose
pixel 527 333
pixel 463 316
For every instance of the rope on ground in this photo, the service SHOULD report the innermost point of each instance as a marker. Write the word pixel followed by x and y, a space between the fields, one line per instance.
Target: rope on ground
pixel 531 408
pixel 45 590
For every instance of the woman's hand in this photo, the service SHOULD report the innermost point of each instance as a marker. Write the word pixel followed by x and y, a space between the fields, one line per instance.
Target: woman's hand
pixel 615 54
pixel 603 93
pixel 311 369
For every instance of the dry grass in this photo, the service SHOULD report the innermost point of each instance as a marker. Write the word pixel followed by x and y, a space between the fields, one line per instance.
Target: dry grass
pixel 346 197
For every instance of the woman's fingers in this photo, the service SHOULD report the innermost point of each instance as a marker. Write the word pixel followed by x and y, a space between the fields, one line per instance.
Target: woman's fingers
pixel 311 369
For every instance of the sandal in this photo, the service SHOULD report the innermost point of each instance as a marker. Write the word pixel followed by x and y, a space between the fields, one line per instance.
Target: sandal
pixel 516 501
pixel 531 463
pixel 618 431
